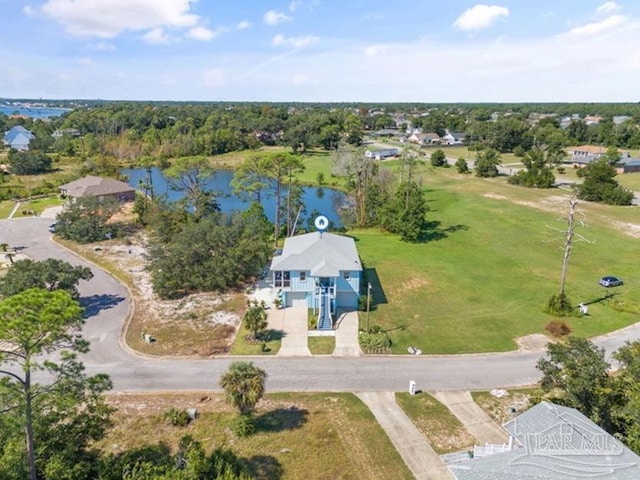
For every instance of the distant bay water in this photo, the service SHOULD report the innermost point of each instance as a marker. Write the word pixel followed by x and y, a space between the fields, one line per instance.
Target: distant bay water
pixel 325 201
pixel 33 112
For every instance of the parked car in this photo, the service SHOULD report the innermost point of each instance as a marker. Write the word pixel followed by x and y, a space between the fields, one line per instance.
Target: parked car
pixel 52 228
pixel 610 281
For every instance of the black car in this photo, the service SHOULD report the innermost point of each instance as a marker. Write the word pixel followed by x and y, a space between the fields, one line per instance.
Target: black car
pixel 610 282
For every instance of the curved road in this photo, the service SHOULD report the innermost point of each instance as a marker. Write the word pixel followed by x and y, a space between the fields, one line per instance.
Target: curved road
pixel 107 304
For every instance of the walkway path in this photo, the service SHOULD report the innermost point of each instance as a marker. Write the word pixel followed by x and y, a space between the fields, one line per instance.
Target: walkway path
pixel 475 420
pixel 347 344
pixel 424 463
pixel 15 209
pixel 294 332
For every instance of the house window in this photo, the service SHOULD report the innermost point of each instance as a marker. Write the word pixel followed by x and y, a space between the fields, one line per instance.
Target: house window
pixel 345 275
pixel 282 279
pixel 303 276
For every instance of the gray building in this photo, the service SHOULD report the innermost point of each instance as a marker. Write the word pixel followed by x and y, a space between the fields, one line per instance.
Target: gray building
pixel 552 442
pixel 91 186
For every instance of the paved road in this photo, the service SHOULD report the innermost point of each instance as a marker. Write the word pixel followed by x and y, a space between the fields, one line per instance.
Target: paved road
pixel 108 304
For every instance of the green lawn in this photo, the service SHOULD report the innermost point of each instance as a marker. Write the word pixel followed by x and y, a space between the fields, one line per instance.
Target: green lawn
pixel 442 429
pixel 6 207
pixel 492 260
pixel 38 205
pixel 321 345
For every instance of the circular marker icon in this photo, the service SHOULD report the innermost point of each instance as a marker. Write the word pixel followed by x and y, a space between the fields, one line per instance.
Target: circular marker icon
pixel 321 222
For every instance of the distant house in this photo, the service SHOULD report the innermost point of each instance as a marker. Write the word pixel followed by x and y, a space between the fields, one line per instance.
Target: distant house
pixel 628 165
pixel 98 187
pixel 551 442
pixel 453 138
pixel 320 271
pixel 66 132
pixel 389 133
pixel 18 138
pixel 382 153
pixel 583 155
pixel 427 138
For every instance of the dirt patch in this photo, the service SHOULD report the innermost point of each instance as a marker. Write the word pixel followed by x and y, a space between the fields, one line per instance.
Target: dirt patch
pixel 201 324
pixel 495 196
pixel 507 407
pixel 532 343
pixel 631 229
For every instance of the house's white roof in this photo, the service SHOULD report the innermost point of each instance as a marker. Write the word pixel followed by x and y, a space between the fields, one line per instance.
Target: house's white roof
pixel 323 254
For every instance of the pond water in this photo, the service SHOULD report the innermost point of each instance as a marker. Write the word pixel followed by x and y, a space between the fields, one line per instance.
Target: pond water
pixel 325 200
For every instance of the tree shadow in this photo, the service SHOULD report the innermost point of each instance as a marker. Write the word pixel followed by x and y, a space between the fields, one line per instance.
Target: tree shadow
pixel 433 231
pixel 264 467
pixel 94 304
pixel 281 419
pixel 607 297
pixel 378 297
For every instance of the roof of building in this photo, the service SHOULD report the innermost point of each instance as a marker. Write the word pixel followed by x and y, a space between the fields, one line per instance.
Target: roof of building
pixel 558 443
pixel 323 254
pixel 590 149
pixel 95 186
pixel 11 134
pixel 388 131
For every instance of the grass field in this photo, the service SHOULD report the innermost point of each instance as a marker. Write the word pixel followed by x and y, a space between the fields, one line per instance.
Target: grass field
pixel 442 429
pixel 491 261
pixel 38 205
pixel 299 436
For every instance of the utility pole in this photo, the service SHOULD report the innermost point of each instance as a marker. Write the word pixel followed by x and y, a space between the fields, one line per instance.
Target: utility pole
pixel 368 303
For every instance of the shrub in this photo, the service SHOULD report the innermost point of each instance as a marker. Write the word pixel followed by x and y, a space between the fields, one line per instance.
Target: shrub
pixel 176 417
pixel 558 328
pixel 376 341
pixel 461 165
pixel 559 305
pixel 243 425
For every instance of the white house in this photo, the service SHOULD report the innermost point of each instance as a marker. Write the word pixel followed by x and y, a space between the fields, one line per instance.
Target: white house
pixel 383 153
pixel 453 138
pixel 318 270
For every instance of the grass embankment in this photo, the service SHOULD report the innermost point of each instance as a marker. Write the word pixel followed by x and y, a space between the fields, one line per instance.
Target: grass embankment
pixel 443 430
pixel 491 261
pixel 299 436
pixel 241 346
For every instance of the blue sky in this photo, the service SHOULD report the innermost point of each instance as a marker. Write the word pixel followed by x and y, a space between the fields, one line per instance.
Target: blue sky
pixel 321 50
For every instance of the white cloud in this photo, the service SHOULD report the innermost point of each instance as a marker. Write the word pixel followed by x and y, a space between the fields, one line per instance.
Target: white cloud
pixel 244 24
pixel 294 5
pixel 295 42
pixel 274 18
pixel 480 16
pixel 595 28
pixel 102 46
pixel 213 78
pixel 373 50
pixel 156 36
pixel 108 18
pixel 88 61
pixel 28 11
pixel 202 34
pixel 608 7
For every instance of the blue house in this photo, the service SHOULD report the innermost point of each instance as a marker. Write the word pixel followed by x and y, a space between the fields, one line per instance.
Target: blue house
pixel 320 271
pixel 18 137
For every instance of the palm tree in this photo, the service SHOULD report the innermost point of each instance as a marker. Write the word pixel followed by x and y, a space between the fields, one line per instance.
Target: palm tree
pixel 255 318
pixel 244 386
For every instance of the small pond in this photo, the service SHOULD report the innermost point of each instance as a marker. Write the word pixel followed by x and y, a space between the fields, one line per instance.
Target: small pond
pixel 325 200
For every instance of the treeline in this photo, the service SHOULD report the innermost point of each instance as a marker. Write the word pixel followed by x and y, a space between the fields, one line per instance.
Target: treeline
pixel 127 131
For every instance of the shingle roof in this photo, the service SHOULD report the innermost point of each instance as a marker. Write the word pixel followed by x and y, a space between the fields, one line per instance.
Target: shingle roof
pixel 95 186
pixel 11 134
pixel 559 443
pixel 324 255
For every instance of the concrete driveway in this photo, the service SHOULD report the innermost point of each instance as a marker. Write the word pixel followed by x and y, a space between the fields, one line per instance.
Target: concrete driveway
pixel 475 420
pixel 294 331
